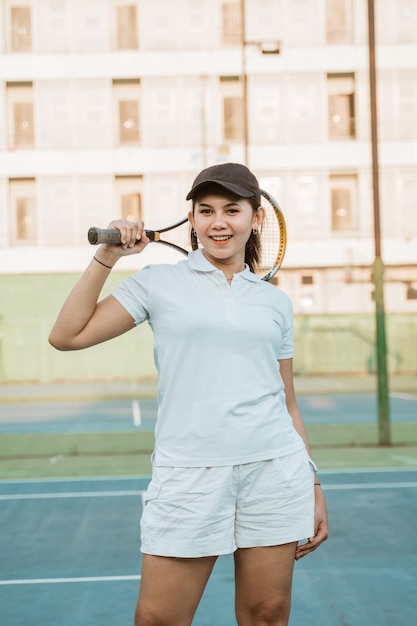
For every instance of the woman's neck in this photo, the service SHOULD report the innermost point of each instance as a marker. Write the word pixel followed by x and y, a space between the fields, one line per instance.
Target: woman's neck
pixel 229 267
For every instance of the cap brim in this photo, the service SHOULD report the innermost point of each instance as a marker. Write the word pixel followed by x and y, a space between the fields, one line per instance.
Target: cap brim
pixel 239 191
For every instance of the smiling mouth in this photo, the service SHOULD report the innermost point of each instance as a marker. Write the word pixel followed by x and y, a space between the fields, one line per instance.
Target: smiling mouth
pixel 220 237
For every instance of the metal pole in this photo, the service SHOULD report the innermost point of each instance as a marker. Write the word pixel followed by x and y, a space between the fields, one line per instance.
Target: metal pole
pixel 244 84
pixel 378 269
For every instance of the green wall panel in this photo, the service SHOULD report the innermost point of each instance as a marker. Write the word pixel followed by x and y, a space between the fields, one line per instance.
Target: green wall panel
pixel 325 344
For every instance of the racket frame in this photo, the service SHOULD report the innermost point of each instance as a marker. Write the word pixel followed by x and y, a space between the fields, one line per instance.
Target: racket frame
pixel 282 244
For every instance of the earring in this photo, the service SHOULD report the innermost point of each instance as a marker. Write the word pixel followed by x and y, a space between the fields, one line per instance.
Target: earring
pixel 255 231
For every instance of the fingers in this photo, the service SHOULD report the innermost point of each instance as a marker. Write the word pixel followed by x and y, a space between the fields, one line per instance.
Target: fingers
pixel 313 542
pixel 321 528
pixel 131 233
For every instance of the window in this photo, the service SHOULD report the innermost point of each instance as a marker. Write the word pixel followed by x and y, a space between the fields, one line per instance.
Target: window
pixel 233 109
pixel 23 211
pixel 231 27
pixel 307 279
pixel 308 291
pixel 131 206
pixel 126 95
pixel 129 197
pixel 411 292
pixel 128 121
pixel 343 191
pixel 341 106
pixel 339 21
pixel 126 24
pixel 20 29
pixel 20 115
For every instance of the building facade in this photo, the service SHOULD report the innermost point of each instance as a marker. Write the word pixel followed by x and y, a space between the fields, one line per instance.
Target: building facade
pixel 109 108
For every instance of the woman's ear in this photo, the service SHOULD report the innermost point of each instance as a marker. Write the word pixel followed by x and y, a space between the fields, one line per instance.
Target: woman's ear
pixel 191 218
pixel 258 217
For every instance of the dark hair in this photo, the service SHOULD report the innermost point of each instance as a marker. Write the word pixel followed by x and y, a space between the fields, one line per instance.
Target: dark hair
pixel 253 244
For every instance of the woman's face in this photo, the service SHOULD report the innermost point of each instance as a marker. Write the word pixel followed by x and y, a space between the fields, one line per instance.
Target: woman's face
pixel 223 225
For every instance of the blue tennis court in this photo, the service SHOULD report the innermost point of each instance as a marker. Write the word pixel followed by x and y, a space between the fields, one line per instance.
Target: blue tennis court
pixel 70 554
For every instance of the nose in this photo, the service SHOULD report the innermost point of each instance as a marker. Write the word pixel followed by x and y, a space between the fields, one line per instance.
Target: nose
pixel 219 220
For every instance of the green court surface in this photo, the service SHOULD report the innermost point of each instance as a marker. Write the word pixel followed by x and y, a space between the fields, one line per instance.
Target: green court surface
pixel 102 437
pixel 121 454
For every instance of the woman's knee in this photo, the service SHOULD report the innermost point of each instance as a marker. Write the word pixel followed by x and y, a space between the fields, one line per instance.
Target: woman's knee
pixel 144 616
pixel 271 613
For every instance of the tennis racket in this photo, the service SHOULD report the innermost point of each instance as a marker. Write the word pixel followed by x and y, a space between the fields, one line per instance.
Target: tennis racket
pixel 273 237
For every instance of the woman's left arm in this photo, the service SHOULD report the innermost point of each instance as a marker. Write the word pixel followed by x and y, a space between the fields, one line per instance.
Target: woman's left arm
pixel 321 530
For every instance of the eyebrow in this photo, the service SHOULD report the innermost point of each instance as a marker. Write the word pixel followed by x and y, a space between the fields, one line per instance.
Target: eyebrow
pixel 210 206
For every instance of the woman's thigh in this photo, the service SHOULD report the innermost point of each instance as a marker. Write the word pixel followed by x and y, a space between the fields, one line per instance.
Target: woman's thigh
pixel 170 589
pixel 263 584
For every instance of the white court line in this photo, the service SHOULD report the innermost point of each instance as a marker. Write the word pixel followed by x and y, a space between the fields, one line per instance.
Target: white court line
pixel 367 470
pixel 406 485
pixel 404 396
pixel 137 417
pixel 71 494
pixel 54 581
pixel 141 494
pixel 73 479
pixel 147 477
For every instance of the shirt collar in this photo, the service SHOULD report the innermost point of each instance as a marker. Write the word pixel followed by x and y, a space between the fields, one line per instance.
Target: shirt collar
pixel 197 261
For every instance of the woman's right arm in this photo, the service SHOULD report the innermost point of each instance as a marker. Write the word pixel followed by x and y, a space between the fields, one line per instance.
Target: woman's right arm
pixel 83 321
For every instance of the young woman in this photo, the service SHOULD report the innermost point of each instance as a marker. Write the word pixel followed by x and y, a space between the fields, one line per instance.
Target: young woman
pixel 232 469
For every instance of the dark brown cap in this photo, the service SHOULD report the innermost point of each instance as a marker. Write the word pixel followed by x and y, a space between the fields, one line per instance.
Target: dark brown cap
pixel 234 177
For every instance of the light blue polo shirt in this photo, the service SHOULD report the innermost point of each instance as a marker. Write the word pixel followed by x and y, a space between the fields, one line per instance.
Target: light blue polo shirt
pixel 221 398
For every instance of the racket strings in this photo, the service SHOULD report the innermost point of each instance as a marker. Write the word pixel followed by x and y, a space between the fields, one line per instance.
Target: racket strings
pixel 177 235
pixel 272 237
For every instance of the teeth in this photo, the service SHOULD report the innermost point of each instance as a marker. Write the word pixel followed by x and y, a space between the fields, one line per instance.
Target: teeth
pixel 220 237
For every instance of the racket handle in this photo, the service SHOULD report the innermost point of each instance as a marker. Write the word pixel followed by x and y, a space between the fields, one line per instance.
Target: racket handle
pixel 110 235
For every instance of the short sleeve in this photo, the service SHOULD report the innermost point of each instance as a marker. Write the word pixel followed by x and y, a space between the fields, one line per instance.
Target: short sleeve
pixel 287 343
pixel 134 294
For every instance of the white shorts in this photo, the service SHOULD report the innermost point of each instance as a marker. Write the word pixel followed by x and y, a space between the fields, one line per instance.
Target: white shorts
pixel 207 511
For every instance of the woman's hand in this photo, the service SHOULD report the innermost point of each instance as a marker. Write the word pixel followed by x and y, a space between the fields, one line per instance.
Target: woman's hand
pixel 321 529
pixel 133 241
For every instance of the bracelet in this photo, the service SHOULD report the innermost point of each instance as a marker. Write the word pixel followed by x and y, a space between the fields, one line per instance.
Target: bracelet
pixel 109 267
pixel 319 484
